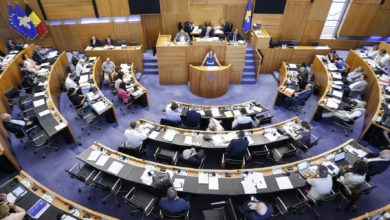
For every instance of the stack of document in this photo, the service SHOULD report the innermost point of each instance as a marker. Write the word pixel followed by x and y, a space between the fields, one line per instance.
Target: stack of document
pixel 99 107
pixel 358 152
pixel 146 178
pixel 333 103
pixel 153 135
pixel 43 113
pixel 191 141
pixel 257 108
pixel 178 184
pixel 284 182
pixel 292 66
pixel 253 181
pixel 169 135
pixel 337 93
pixel 93 156
pixel 102 160
pixel 60 126
pixel 332 67
pixel 228 114
pixel 272 135
pixel 213 181
pixel 52 54
pixel 336 75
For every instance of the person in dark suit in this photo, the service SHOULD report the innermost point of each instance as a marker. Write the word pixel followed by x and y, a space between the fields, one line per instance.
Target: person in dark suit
pixel 17 126
pixel 10 45
pixel 303 77
pixel 173 204
pixel 76 99
pixel 234 36
pixel 37 56
pixel 191 157
pixel 94 42
pixel 109 41
pixel 75 58
pixel 377 163
pixel 237 147
pixel 192 119
pixel 225 27
pixel 207 32
pixel 29 83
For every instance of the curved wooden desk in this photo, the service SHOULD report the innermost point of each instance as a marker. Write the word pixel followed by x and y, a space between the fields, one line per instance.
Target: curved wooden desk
pixel 372 213
pixel 209 82
pixel 229 181
pixel 140 93
pixel 59 204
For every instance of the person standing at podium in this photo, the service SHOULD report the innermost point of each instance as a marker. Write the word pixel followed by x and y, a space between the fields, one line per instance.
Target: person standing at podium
pixel 211 59
pixel 182 37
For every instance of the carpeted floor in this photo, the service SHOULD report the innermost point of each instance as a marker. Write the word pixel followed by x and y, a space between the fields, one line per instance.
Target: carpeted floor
pixel 50 171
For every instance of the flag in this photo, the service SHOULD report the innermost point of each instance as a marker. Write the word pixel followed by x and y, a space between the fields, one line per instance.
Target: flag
pixel 25 26
pixel 248 18
pixel 38 24
pixel 12 19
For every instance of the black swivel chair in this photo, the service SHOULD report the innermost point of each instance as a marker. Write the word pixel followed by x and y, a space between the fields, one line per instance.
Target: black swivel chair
pixel 108 182
pixel 84 174
pixel 224 211
pixel 263 119
pixel 352 194
pixel 346 126
pixel 331 196
pixel 166 215
pixel 167 122
pixel 248 125
pixel 190 164
pixel 90 117
pixel 40 140
pixel 165 156
pixel 141 200
pixel 291 202
pixel 127 107
pixel 233 163
pixel 135 152
pixel 279 153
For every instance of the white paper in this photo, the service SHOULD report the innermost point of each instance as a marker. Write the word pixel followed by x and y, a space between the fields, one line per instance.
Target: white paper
pixel 292 66
pixel 169 135
pixel 250 140
pixel 83 78
pixel 248 186
pixel 213 182
pixel 203 178
pixel 48 197
pixel 39 94
pixel 148 180
pixel 94 155
pixel 43 113
pixel 18 191
pixel 115 167
pixel 11 198
pixel 284 182
pixel 178 184
pixel 257 108
pixel 337 93
pixel 39 102
pixel 215 112
pixel 60 126
pixel 336 75
pixel 102 160
pixel 154 134
pixel 99 107
pixel 188 140
pixel 271 137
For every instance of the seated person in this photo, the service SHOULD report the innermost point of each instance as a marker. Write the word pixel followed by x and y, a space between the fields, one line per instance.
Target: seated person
pixel 303 77
pixel 354 75
pixel 354 176
pixel 80 67
pixel 25 71
pixel 257 210
pixel 242 119
pixel 332 56
pixel 134 138
pixel 37 56
pixel 207 32
pixel 119 80
pixel 356 88
pixel 29 83
pixel 214 125
pixel 377 163
pixel 225 28
pixel 30 64
pixel 347 116
pixel 108 67
pixel 124 95
pixel 372 52
pixel 17 125
pixel 386 69
pixel 382 58
pixel 172 113
pixel 10 211
pixel 340 64
pixel 77 100
pixel 299 98
pixel 188 27
pixel 191 157
pixel 94 42
pixel 173 204
pixel 237 147
pixel 10 45
pixel 321 184
pixel 182 36
pixel 75 58
pixel 305 136
pixel 192 119
pixel 114 75
pixel 109 41
pixel 210 59
pixel 70 82
pixel 234 36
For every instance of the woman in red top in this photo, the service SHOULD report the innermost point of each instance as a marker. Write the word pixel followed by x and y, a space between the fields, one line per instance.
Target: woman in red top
pixel 123 94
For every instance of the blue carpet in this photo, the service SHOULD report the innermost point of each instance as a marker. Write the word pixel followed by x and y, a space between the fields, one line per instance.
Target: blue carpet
pixel 50 171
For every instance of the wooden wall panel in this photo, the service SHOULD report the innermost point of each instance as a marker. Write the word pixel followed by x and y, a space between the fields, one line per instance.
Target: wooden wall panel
pixel 129 31
pixel 68 9
pixel 381 24
pixel 312 31
pixel 228 2
pixel 235 14
pixel 294 20
pixel 198 1
pixel 112 8
pixel 174 6
pixel 386 5
pixel 207 13
pixel 151 28
pixel 170 22
pixel 319 10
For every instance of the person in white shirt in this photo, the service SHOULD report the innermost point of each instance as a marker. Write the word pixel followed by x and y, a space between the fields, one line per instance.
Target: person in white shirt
pixel 17 213
pixel 321 184
pixel 372 52
pixel 70 82
pixel 172 113
pixel 108 68
pixel 355 74
pixel 242 119
pixel 80 67
pixel 134 138
pixel 182 36
pixel 356 113
pixel 214 125
pixel 381 58
pixel 355 176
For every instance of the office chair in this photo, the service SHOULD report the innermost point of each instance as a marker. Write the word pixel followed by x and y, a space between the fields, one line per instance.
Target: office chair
pixel 135 152
pixel 127 107
pixel 165 156
pixel 134 43
pixel 346 126
pixel 296 103
pixel 263 119
pixel 166 215
pixel 40 140
pixel 352 194
pixel 314 43
pixel 190 164
pixel 279 153
pixel 248 125
pixel 332 195
pixel 167 122
pixel 91 119
pixel 14 97
pixel 84 174
pixel 260 152
pixel 141 200
pixel 291 202
pixel 303 148
pixel 224 211
pixel 235 163
pixel 116 100
pixel 109 182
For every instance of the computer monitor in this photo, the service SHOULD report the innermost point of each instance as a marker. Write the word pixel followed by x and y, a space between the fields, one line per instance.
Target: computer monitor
pixel 303 165
pixel 339 156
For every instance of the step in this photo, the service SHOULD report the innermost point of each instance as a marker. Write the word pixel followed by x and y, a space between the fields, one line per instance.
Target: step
pixel 249 62
pixel 248 81
pixel 151 71
pixel 249 67
pixel 150 65
pixel 150 61
pixel 275 74
pixel 249 76
pixel 247 56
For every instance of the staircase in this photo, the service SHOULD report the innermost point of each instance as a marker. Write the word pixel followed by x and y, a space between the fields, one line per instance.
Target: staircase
pixel 150 63
pixel 249 73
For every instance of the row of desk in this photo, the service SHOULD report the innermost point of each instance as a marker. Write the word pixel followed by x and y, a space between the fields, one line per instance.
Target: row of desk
pixel 206 181
pixel 29 194
pixel 268 135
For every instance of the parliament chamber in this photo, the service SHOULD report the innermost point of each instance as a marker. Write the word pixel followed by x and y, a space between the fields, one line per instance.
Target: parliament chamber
pixel 194 109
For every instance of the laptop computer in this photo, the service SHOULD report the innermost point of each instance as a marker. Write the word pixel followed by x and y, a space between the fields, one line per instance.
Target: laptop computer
pixel 345 159
pixel 304 168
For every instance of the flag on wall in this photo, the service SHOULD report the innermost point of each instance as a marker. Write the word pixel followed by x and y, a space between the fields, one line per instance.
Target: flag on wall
pixel 248 17
pixel 13 23
pixel 23 23
pixel 38 24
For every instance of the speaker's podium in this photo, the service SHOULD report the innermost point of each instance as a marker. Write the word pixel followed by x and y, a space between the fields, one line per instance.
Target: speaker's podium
pixel 209 81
